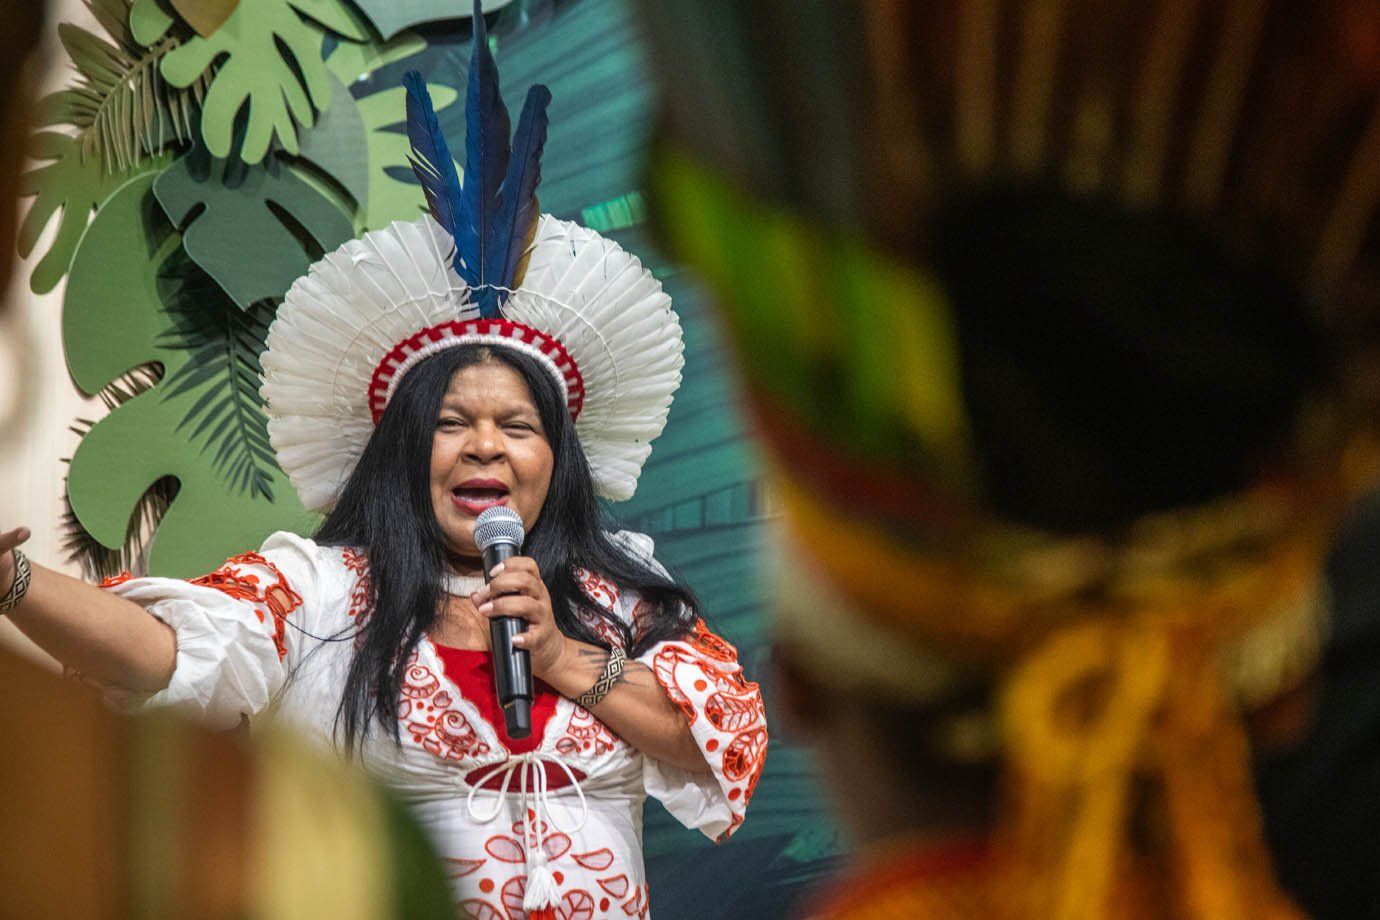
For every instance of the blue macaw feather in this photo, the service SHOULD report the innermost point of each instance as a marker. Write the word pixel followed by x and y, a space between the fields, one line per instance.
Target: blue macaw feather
pixel 516 221
pixel 493 214
pixel 486 160
pixel 431 159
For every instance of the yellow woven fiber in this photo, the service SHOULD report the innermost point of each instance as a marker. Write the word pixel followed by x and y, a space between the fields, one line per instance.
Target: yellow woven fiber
pixel 1123 755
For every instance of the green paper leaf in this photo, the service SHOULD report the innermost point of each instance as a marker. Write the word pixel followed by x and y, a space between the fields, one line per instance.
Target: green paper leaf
pixel 70 185
pixel 269 54
pixel 360 142
pixel 115 318
pixel 392 16
pixel 351 61
pixel 121 106
pixel 148 21
pixel 123 112
pixel 336 143
pixel 255 229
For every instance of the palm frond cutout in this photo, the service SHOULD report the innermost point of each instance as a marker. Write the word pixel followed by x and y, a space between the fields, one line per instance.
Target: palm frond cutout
pixel 124 115
pixel 222 374
pixel 96 560
pixel 121 106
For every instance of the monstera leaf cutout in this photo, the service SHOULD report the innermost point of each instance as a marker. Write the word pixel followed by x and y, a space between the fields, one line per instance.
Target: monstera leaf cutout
pixel 269 62
pixel 116 318
pixel 121 111
pixel 98 561
pixel 254 229
pixel 359 140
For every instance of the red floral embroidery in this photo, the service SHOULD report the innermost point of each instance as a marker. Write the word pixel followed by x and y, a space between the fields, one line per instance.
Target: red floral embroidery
pixel 359 595
pixel 514 850
pixel 459 868
pixel 713 646
pixel 425 711
pixel 745 754
pixel 279 598
pixel 575 904
pixel 705 668
pixel 513 892
pixel 638 904
pixel 355 562
pixel 597 588
pixel 616 886
pixel 479 909
pixel 664 666
pixel 114 580
pixel 586 734
pixel 598 860
pixel 505 849
pixel 730 712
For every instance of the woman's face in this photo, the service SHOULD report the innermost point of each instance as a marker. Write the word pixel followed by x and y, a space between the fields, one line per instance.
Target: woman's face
pixel 489 449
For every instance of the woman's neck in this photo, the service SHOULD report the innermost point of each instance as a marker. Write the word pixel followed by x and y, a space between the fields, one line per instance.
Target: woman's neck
pixel 464 566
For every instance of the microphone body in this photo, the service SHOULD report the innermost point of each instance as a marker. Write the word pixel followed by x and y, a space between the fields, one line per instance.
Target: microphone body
pixel 499 535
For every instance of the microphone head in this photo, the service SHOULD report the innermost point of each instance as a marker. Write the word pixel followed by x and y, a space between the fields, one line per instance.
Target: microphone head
pixel 498 524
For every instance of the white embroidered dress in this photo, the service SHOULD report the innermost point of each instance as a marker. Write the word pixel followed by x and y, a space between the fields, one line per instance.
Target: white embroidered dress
pixel 274 631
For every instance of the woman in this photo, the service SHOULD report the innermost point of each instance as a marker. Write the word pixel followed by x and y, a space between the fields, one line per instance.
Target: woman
pixel 406 395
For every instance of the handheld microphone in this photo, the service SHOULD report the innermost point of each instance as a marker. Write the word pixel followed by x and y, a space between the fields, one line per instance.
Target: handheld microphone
pixel 498 533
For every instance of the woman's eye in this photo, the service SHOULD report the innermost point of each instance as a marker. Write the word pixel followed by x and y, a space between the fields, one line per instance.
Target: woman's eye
pixel 449 423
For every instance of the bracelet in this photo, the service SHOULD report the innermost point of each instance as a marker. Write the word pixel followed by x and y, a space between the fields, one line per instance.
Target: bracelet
pixel 20 586
pixel 604 684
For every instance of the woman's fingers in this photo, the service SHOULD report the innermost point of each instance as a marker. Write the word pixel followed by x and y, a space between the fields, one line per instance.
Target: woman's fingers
pixel 514 605
pixel 515 589
pixel 518 575
pixel 11 538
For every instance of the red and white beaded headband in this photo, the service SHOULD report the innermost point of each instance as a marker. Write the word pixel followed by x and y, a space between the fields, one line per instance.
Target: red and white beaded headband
pixel 500 333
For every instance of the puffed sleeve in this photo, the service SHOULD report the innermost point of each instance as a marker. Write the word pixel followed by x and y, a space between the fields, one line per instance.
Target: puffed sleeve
pixel 702 676
pixel 232 626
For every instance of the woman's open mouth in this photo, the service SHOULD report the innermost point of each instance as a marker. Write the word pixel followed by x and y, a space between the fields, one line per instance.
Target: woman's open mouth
pixel 474 495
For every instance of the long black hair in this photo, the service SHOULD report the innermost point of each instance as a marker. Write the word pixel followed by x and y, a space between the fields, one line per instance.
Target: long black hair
pixel 386 510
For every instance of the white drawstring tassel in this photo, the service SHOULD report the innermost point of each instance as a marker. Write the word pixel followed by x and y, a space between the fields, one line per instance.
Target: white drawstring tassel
pixel 540 896
pixel 541 890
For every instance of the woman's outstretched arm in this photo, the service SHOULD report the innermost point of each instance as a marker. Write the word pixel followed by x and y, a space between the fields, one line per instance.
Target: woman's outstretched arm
pixel 112 641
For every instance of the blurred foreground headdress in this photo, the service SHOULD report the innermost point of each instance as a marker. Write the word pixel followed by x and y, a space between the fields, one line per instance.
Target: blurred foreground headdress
pixel 1029 299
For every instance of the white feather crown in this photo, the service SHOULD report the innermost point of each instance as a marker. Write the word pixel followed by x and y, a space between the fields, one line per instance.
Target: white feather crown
pixel 365 314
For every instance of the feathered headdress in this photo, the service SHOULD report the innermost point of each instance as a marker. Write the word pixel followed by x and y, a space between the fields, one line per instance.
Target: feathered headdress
pixel 484 267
